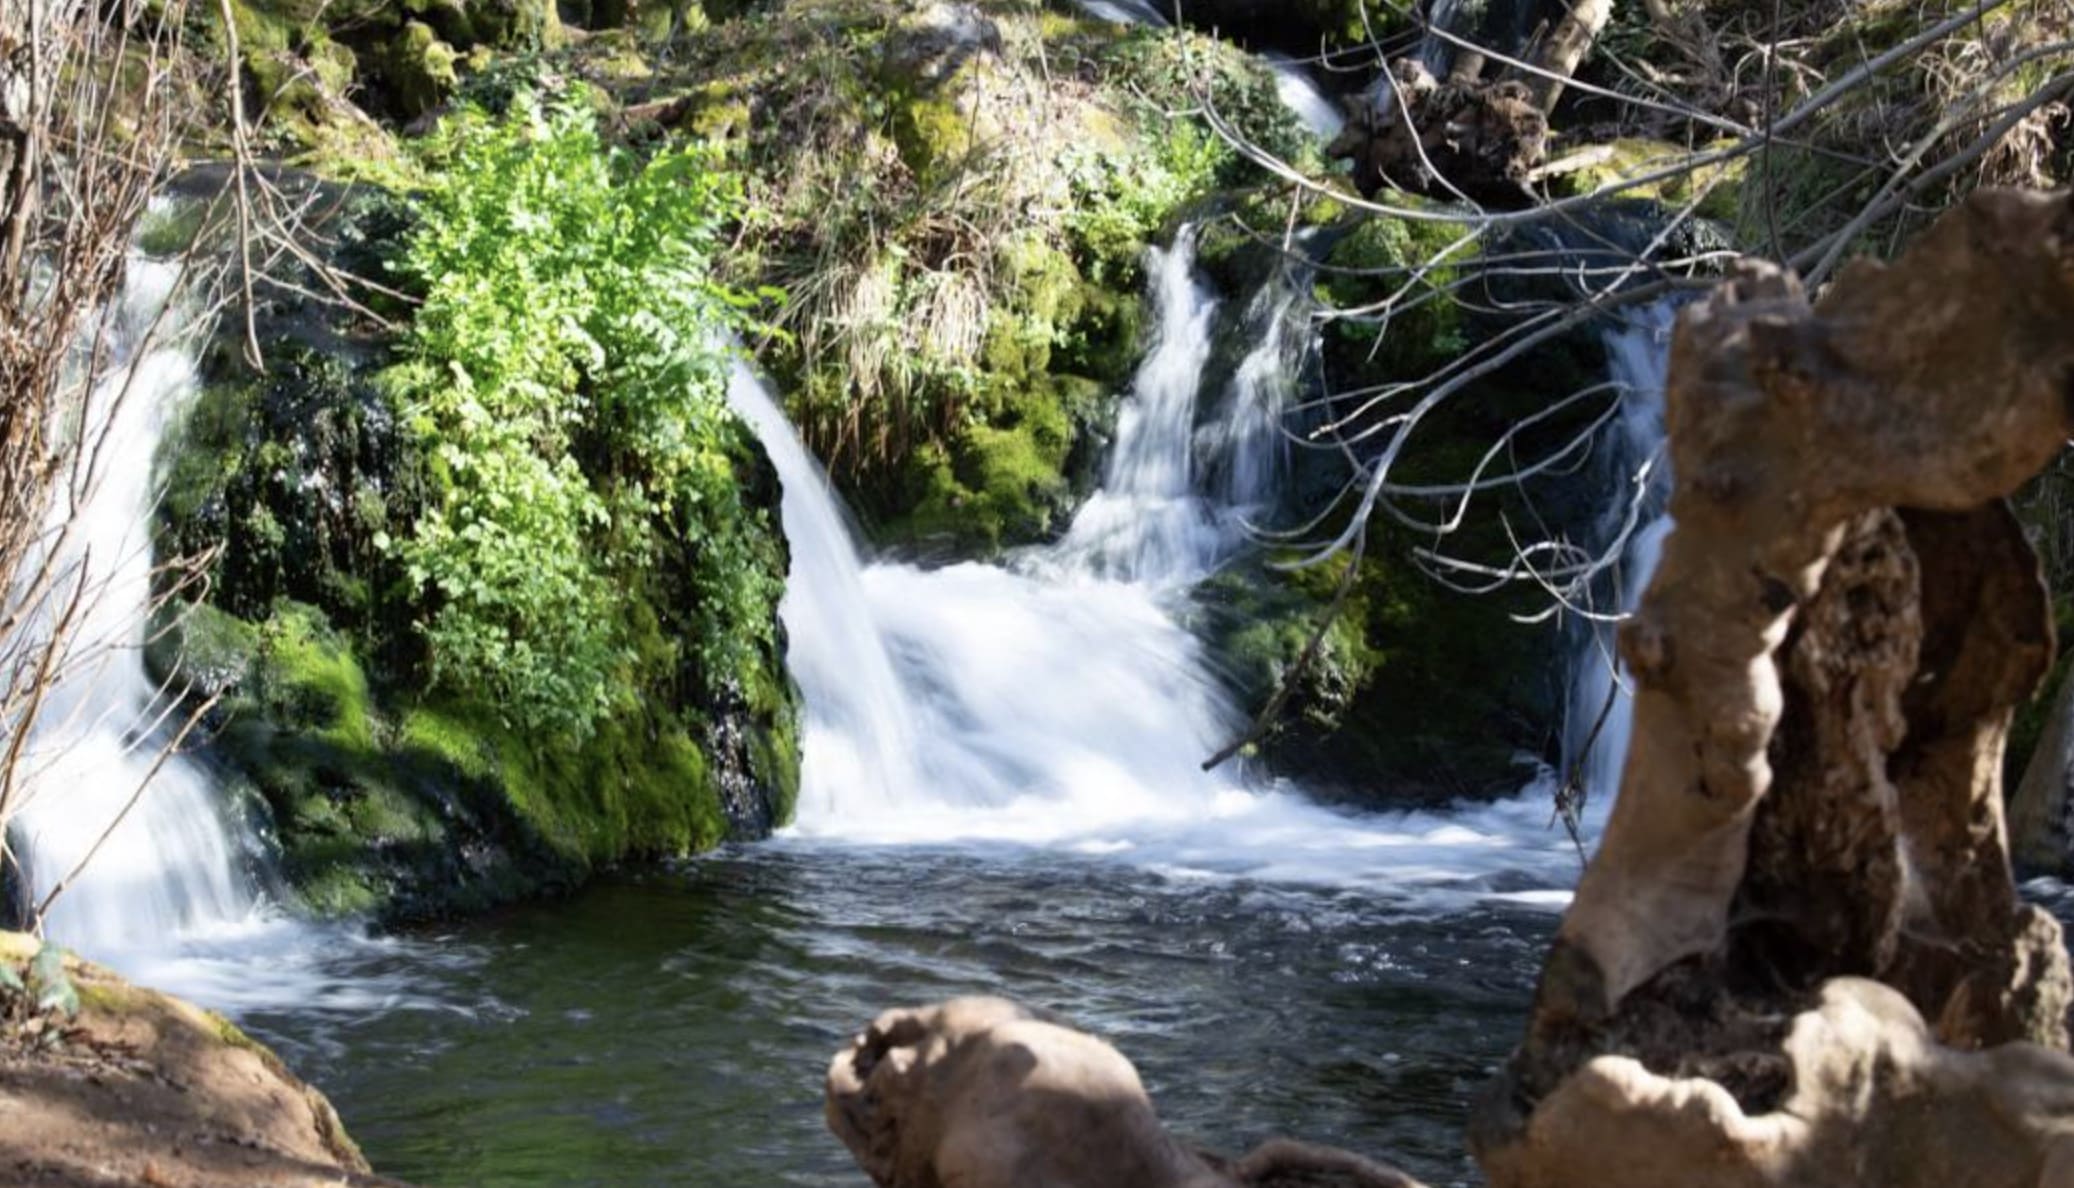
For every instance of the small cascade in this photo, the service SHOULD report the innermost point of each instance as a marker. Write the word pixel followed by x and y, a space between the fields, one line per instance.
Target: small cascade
pixel 1057 701
pixel 1148 523
pixel 1437 53
pixel 163 865
pixel 1249 445
pixel 1300 93
pixel 1631 529
pixel 861 735
pixel 1123 12
pixel 1031 702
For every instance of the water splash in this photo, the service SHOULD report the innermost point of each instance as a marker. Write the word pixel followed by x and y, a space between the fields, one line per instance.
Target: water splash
pixel 163 865
pixel 1632 526
pixel 1056 701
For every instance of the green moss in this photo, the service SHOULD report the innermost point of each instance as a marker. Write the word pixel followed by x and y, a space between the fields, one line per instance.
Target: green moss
pixel 1390 280
pixel 419 69
pixel 1716 189
pixel 445 739
pixel 934 137
pixel 208 647
pixel 1346 24
pixel 1381 714
pixel 993 485
pixel 170 230
pixel 310 677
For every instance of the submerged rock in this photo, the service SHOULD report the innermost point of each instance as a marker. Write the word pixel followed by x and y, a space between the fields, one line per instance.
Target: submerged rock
pixel 138 1087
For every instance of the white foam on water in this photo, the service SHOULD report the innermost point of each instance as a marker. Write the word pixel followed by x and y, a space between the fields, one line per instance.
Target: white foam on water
pixel 163 863
pixel 1055 700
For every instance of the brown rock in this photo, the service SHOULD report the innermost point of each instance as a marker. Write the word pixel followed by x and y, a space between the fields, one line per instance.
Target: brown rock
pixel 144 1089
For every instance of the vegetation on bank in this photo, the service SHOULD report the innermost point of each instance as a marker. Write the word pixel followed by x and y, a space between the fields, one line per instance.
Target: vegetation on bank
pixel 501 577
pixel 498 593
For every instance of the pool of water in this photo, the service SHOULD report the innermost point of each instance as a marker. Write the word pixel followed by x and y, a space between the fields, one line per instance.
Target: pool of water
pixel 672 1027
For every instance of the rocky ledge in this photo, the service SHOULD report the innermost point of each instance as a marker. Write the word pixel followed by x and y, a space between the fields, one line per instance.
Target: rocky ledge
pixel 105 1083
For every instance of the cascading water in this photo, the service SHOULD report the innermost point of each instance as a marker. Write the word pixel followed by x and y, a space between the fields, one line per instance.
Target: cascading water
pixel 163 864
pixel 1301 94
pixel 1148 523
pixel 1631 530
pixel 1123 12
pixel 1041 702
pixel 1056 701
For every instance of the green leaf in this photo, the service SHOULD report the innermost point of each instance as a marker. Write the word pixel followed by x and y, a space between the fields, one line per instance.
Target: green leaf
pixel 47 980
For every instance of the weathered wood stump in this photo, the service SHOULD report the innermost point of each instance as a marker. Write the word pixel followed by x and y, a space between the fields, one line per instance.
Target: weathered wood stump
pixel 1799 956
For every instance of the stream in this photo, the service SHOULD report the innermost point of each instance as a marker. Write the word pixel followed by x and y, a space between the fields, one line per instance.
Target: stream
pixel 672 1028
pixel 1002 793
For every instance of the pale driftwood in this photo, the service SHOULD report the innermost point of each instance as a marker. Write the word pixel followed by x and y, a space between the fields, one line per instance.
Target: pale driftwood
pixel 1799 956
pixel 985 1093
pixel 1567 44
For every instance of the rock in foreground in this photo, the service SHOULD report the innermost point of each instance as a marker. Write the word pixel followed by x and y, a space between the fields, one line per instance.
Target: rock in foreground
pixel 140 1088
pixel 986 1093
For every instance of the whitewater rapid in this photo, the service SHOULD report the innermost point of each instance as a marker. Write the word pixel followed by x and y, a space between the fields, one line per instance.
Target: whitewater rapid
pixel 1056 700
pixel 155 859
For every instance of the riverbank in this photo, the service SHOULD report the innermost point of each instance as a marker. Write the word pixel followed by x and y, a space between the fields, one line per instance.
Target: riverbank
pixel 135 1087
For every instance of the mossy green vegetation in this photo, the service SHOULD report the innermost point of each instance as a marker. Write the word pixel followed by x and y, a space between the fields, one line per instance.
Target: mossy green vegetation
pixel 493 594
pixel 566 375
pixel 1416 694
pixel 956 200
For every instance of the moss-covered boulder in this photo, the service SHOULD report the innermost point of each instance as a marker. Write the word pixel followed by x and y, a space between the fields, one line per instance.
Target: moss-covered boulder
pixel 956 198
pixel 383 791
pixel 1415 695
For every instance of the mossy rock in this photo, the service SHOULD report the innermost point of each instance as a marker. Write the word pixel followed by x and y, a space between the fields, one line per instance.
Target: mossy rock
pixel 378 805
pixel 418 71
pixel 1715 191
pixel 379 799
pixel 1417 695
pixel 1390 281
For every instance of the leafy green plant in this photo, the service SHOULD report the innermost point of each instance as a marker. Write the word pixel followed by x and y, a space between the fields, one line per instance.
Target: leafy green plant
pixel 566 375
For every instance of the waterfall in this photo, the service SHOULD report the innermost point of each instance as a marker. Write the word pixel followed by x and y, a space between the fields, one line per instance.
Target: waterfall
pixel 1056 700
pixel 1300 93
pixel 1249 445
pixel 1123 12
pixel 1026 701
pixel 1437 53
pixel 168 867
pixel 1631 529
pixel 1147 522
